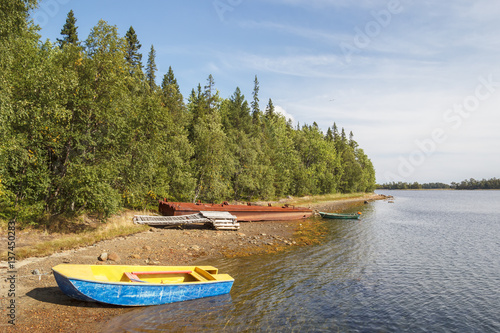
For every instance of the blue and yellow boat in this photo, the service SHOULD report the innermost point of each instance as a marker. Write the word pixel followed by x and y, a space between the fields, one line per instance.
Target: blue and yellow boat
pixel 140 285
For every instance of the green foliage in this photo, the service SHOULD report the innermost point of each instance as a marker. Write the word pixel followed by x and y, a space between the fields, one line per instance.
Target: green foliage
pixel 278 144
pixel 211 162
pixel 14 16
pixel 251 174
pixel 83 130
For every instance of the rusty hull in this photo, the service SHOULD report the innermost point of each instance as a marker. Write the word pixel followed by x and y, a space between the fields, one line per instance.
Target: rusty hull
pixel 244 213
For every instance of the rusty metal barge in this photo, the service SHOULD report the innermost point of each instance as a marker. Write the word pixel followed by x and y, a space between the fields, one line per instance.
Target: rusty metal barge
pixel 244 213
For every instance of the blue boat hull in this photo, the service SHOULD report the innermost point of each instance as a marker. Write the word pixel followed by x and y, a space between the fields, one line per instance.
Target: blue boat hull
pixel 140 294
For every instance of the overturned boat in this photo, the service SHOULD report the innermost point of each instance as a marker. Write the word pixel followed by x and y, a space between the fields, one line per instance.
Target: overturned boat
pixel 244 213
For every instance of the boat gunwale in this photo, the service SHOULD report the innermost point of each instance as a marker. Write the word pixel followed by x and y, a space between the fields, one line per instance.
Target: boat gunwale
pixel 142 284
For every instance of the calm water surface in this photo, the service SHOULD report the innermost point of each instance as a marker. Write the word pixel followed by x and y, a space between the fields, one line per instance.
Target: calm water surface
pixel 429 262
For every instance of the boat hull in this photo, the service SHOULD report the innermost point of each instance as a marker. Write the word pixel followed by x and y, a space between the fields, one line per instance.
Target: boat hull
pixel 138 294
pixel 339 216
pixel 243 213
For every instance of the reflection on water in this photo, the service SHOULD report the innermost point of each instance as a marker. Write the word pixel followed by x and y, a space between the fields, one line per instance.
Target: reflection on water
pixel 181 316
pixel 428 262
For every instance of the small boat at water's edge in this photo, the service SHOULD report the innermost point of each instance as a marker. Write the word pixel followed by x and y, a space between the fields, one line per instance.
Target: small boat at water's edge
pixel 140 285
pixel 339 215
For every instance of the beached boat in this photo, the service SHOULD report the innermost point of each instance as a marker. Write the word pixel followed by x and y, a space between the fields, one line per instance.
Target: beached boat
pixel 246 212
pixel 140 285
pixel 340 216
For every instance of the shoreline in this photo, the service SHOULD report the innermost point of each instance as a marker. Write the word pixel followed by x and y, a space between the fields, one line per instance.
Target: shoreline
pixel 41 306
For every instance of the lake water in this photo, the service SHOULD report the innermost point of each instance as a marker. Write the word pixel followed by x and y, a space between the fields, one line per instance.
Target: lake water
pixel 429 262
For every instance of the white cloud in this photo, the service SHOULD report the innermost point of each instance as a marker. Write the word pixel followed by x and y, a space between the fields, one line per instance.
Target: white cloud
pixel 331 3
pixel 282 111
pixel 323 35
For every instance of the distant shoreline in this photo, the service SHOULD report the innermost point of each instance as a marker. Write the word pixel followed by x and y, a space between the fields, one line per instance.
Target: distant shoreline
pixel 437 189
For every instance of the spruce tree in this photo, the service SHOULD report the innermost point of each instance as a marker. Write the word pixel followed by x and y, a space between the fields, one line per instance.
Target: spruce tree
pixel 169 80
pixel 209 87
pixel 270 110
pixel 69 33
pixel 255 102
pixel 329 135
pixel 172 97
pixel 209 92
pixel 134 58
pixel 336 136
pixel 170 89
pixel 256 113
pixel 352 143
pixel 343 136
pixel 151 69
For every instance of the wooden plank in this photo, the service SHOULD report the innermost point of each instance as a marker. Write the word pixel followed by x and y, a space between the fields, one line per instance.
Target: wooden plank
pixel 134 278
pixel 198 276
pixel 170 220
pixel 218 215
pixel 204 273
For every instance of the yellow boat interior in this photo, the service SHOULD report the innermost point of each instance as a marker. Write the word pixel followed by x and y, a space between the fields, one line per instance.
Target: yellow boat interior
pixel 142 274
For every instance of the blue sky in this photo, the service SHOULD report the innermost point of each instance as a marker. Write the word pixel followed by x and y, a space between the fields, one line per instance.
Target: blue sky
pixel 417 82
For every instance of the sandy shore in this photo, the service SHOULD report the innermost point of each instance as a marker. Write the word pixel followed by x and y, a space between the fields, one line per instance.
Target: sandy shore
pixel 41 307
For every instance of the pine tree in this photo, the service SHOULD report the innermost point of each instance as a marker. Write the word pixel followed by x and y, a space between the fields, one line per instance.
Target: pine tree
pixel 169 80
pixel 329 135
pixel 336 136
pixel 170 88
pixel 209 87
pixel 134 58
pixel 270 110
pixel 69 33
pixel 255 94
pixel 352 143
pixel 172 97
pixel 151 69
pixel 209 92
pixel 241 111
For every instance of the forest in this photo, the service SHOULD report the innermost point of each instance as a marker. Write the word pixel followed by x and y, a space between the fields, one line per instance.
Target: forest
pixel 467 184
pixel 87 127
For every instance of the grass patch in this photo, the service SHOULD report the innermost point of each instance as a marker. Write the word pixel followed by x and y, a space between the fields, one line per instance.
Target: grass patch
pixel 316 199
pixel 41 243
